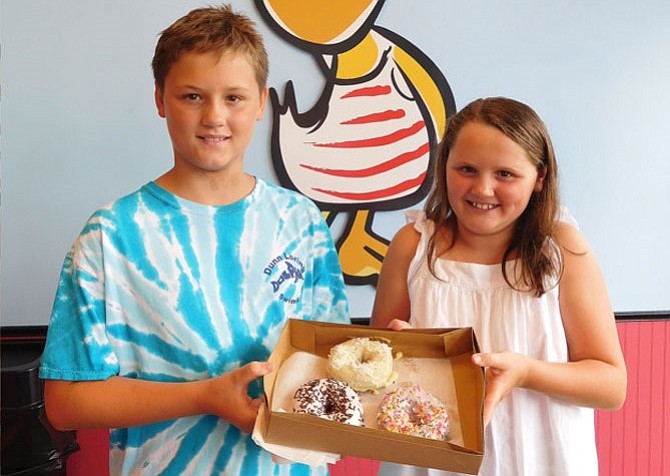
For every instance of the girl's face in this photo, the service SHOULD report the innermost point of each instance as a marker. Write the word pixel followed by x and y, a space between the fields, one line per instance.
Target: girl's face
pixel 211 103
pixel 490 180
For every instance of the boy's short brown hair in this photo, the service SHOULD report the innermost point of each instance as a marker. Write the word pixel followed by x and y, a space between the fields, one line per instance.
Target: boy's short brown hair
pixel 211 29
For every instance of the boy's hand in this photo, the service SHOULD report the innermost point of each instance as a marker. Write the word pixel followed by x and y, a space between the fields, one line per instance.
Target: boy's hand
pixel 227 395
pixel 504 371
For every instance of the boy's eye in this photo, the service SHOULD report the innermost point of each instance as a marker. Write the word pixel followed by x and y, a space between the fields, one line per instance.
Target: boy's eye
pixel 191 97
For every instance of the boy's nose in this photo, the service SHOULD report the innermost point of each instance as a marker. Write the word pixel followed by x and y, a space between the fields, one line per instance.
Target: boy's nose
pixel 214 115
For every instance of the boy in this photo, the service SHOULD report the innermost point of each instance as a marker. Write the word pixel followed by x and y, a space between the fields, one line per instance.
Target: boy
pixel 172 297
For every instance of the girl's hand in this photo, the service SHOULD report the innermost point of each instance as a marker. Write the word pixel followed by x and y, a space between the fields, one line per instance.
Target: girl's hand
pixel 399 325
pixel 504 371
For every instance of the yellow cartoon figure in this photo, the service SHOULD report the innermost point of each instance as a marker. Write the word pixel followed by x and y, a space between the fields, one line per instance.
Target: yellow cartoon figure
pixel 367 144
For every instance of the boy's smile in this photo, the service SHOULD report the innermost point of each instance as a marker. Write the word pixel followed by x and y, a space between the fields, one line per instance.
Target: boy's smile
pixel 211 103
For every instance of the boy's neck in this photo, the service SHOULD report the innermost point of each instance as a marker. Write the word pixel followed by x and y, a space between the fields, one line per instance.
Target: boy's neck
pixel 208 189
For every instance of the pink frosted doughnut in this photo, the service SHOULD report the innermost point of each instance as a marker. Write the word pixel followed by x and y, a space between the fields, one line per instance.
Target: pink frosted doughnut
pixel 330 399
pixel 411 410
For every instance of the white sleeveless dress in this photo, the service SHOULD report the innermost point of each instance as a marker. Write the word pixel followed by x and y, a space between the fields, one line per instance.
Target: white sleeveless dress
pixel 530 434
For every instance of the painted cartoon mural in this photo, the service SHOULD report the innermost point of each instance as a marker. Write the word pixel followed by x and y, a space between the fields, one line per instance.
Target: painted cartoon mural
pixel 367 144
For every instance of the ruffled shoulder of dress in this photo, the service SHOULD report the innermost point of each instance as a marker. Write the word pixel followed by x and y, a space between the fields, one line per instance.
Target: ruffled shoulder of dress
pixel 418 217
pixel 565 216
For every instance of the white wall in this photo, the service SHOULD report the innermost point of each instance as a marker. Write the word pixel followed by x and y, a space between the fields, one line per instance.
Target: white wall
pixel 79 126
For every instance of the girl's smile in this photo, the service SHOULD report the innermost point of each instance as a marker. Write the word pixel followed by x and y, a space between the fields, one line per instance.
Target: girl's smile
pixel 483 206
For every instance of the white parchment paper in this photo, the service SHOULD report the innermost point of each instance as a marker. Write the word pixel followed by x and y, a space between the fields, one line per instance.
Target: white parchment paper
pixel 434 375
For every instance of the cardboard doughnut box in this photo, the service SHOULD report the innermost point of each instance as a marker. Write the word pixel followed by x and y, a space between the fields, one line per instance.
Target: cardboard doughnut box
pixel 435 358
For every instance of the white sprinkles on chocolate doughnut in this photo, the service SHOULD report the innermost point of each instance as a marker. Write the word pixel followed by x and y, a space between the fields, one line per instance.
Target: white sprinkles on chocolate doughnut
pixel 330 399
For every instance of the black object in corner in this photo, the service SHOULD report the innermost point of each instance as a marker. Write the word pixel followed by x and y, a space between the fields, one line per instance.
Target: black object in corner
pixel 30 445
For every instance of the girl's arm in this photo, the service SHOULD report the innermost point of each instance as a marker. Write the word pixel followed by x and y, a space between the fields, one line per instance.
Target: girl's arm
pixel 595 375
pixel 120 402
pixel 597 371
pixel 392 297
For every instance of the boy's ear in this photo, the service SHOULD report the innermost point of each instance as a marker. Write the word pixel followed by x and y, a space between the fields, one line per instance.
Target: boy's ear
pixel 264 100
pixel 158 98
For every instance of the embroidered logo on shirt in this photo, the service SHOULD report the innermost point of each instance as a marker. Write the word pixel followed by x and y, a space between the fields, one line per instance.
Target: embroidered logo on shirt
pixel 287 272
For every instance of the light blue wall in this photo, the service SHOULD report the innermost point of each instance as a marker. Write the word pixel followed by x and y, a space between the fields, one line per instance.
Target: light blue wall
pixel 79 126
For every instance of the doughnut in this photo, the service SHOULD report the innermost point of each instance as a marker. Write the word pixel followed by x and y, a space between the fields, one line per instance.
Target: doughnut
pixel 364 363
pixel 411 410
pixel 330 399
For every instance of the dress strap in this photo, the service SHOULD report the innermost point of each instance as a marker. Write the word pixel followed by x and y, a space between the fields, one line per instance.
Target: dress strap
pixel 424 227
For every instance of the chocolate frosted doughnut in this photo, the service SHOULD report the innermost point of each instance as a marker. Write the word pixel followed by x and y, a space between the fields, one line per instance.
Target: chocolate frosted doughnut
pixel 330 399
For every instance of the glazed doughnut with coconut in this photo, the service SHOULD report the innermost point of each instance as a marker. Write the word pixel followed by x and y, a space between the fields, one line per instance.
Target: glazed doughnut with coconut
pixel 330 399
pixel 411 410
pixel 363 363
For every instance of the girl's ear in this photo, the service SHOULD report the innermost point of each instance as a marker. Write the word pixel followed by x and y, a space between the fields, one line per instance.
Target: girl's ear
pixel 539 183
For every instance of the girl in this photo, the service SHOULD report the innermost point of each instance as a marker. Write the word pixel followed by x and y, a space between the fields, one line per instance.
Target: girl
pixel 493 251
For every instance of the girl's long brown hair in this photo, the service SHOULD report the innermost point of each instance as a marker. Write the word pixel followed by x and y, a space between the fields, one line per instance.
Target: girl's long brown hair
pixel 533 241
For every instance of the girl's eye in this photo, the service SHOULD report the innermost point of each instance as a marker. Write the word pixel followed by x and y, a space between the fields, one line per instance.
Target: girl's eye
pixel 467 170
pixel 505 174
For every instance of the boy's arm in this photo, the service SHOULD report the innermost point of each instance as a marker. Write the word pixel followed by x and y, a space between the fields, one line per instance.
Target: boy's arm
pixel 123 402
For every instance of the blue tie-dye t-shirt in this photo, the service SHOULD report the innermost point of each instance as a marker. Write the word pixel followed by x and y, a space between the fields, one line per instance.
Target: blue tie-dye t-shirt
pixel 160 288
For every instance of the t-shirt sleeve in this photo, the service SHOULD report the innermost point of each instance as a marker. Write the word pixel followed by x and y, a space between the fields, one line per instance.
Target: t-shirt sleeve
pixel 329 294
pixel 77 347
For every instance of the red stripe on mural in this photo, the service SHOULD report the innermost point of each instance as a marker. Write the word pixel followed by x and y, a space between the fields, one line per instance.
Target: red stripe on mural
pixel 388 115
pixel 369 91
pixel 376 194
pixel 375 141
pixel 395 162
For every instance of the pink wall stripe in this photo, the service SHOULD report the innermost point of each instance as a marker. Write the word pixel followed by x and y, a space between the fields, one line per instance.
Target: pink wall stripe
pixel 349 466
pixel 636 439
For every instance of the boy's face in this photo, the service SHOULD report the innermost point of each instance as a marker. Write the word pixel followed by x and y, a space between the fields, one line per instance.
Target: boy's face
pixel 211 103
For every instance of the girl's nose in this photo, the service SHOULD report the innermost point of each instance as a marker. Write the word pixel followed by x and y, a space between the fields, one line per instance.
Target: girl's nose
pixel 483 186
